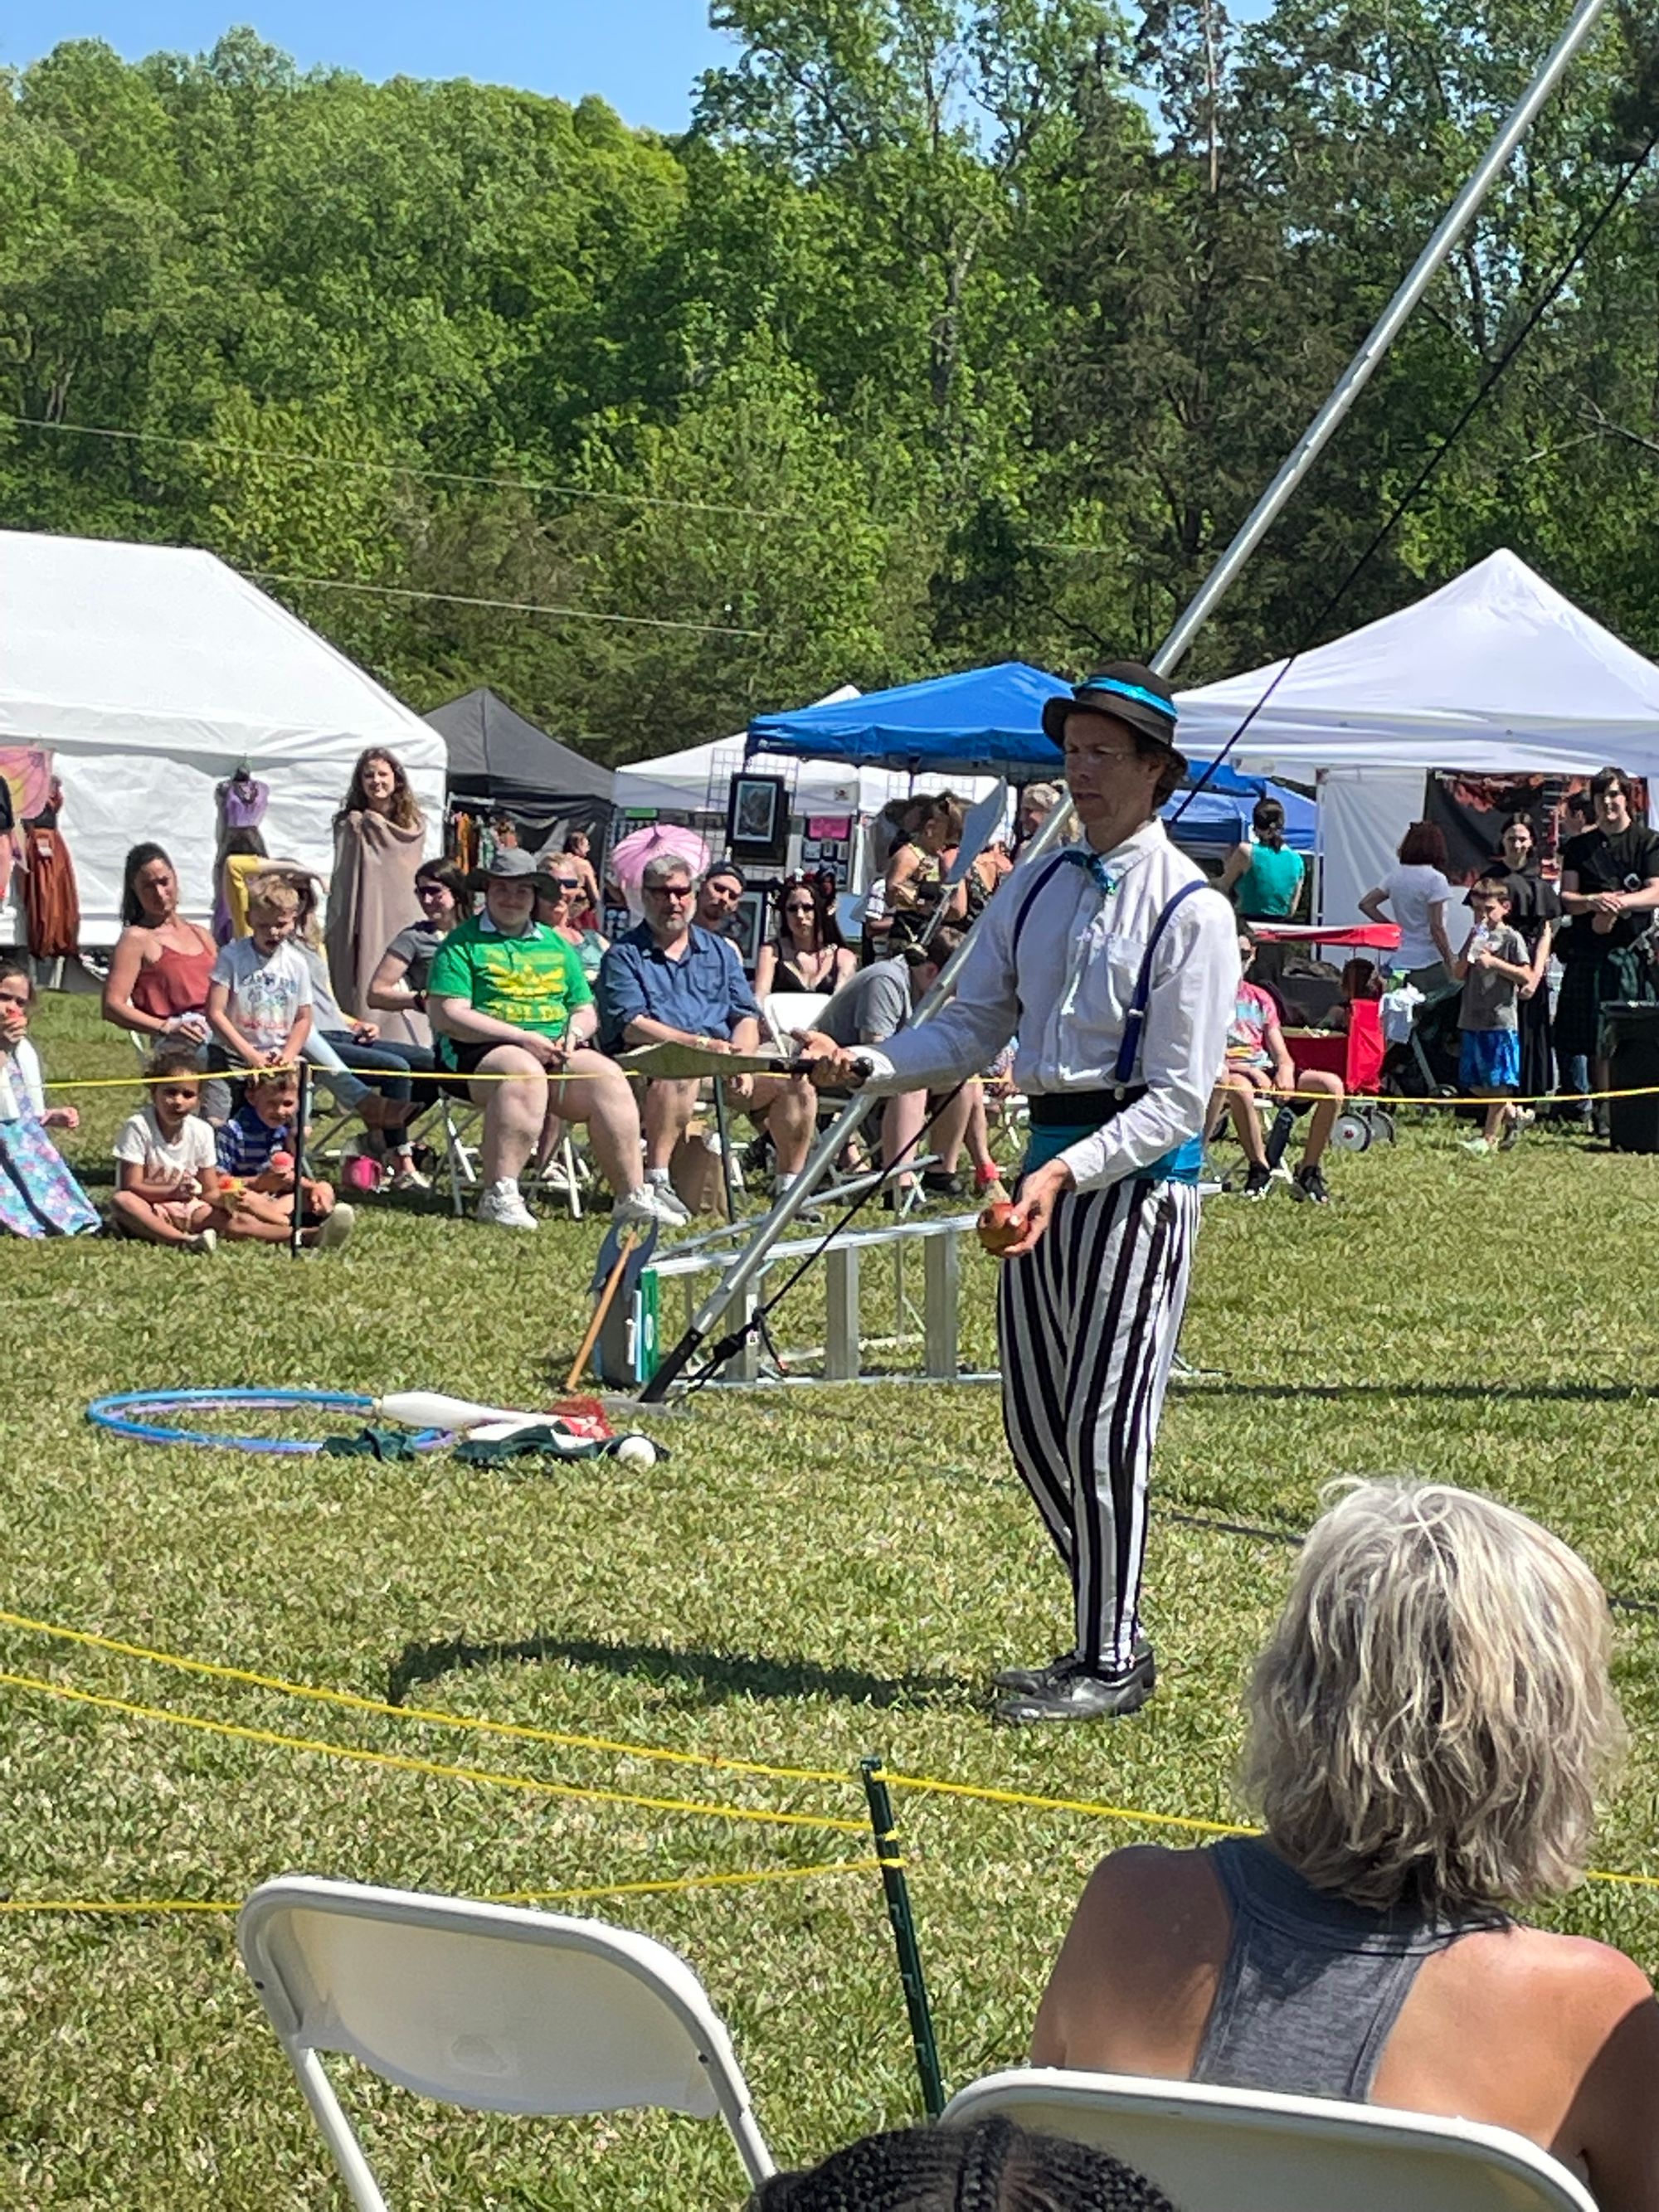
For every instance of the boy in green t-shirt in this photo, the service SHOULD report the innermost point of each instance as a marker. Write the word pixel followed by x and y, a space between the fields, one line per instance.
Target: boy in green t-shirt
pixel 513 1017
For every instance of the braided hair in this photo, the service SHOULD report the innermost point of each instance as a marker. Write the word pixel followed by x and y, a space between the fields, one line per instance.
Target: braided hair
pixel 993 2166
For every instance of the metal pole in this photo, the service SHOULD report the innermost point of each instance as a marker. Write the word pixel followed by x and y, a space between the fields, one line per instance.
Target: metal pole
pixel 1357 375
pixel 1203 604
pixel 294 1247
pixel 897 1893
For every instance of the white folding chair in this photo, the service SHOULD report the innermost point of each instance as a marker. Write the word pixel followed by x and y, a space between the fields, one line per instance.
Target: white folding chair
pixel 1252 2150
pixel 489 2007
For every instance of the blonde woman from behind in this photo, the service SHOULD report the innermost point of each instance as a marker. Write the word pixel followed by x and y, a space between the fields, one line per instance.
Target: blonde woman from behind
pixel 1426 1730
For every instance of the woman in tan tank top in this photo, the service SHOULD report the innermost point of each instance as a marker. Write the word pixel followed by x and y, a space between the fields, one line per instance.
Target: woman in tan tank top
pixel 1427 1726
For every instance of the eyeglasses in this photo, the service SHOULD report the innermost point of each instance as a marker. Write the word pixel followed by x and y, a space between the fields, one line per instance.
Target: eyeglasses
pixel 808 908
pixel 568 883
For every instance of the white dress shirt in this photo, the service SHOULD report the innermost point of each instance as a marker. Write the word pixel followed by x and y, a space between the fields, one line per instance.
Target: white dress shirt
pixel 1065 989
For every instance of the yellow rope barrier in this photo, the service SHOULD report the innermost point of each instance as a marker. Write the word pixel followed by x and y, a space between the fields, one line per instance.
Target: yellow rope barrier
pixel 402 1763
pixel 428 1716
pixel 923 1784
pixel 135 1906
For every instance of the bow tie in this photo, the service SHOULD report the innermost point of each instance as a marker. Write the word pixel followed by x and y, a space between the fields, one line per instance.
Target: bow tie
pixel 1099 875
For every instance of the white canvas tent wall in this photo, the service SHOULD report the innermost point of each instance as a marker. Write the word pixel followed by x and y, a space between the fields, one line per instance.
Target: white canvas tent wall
pixel 1495 673
pixel 149 672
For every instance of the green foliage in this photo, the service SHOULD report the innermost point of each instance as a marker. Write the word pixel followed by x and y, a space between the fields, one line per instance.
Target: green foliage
pixel 951 330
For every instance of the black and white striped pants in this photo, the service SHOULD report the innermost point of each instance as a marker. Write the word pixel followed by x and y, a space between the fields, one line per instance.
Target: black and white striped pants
pixel 1088 1322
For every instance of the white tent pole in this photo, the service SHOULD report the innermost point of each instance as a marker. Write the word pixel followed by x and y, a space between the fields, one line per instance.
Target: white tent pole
pixel 1349 385
pixel 1354 379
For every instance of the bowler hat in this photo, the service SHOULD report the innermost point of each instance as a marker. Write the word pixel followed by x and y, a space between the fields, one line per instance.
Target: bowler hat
pixel 1129 692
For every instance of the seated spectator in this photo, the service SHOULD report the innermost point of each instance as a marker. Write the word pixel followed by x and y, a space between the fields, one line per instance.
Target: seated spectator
pixel 717 895
pixel 398 985
pixel 915 874
pixel 669 982
pixel 1427 1727
pixel 874 1006
pixel 1036 803
pixel 39 1197
pixel 807 951
pixel 163 967
pixel 577 860
pixel 259 1184
pixel 510 1005
pixel 559 900
pixel 345 1052
pixel 166 1161
pixel 1494 968
pixel 993 2166
pixel 1358 980
pixel 260 1000
pixel 1259 1065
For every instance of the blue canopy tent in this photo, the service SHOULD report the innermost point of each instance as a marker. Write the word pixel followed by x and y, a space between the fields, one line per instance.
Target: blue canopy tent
pixel 984 721
pixel 1214 817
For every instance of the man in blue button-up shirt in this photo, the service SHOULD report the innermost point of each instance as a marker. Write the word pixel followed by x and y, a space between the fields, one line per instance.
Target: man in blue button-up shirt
pixel 668 981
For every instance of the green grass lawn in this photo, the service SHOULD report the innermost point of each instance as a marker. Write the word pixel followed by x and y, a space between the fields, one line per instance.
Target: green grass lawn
pixel 812 1575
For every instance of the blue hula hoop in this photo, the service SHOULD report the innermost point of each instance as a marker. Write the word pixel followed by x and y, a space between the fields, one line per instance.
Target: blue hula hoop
pixel 124 1415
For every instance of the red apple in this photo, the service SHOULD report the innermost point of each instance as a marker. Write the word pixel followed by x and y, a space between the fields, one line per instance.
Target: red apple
pixel 1001 1226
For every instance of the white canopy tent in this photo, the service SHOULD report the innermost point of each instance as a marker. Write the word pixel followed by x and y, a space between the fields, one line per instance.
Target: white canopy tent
pixel 148 672
pixel 1495 673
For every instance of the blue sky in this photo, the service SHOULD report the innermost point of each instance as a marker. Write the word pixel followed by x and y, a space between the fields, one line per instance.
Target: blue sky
pixel 641 55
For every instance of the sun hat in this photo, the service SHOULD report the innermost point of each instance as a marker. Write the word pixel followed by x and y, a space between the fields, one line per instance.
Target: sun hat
pixel 511 864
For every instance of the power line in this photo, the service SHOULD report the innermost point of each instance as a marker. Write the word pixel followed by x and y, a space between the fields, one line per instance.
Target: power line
pixel 508 606
pixel 396 469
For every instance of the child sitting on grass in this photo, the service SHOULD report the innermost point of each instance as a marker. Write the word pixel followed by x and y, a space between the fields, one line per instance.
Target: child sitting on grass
pixel 257 1151
pixel 39 1197
pixel 167 1171
pixel 1492 967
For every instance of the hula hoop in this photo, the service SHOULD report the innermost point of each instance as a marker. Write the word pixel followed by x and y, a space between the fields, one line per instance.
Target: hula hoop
pixel 125 1415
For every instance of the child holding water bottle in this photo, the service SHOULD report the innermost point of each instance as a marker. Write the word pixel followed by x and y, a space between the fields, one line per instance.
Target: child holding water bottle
pixel 1494 970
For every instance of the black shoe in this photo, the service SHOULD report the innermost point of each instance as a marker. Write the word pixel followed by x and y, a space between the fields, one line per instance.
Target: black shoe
pixel 939 1184
pixel 1037 1682
pixel 1258 1183
pixel 1309 1183
pixel 1080 1696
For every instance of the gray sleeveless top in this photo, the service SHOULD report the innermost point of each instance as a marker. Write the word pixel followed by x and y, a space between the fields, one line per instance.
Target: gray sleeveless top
pixel 1312 1985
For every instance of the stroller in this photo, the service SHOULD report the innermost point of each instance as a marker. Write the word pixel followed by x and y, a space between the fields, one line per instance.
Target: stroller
pixel 1425 1064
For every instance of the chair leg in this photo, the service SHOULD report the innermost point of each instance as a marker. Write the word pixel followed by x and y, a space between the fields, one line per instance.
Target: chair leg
pixel 568 1158
pixel 337 2132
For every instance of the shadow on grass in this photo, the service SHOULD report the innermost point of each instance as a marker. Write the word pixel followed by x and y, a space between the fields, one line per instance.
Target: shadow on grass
pixel 707 1678
pixel 1458 1393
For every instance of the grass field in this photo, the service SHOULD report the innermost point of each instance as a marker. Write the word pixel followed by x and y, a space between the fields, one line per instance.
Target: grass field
pixel 809 1578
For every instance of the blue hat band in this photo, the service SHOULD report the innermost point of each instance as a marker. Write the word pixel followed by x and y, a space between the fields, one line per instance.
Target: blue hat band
pixel 1128 691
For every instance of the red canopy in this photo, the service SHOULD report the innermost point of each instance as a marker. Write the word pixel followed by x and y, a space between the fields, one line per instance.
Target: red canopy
pixel 1378 936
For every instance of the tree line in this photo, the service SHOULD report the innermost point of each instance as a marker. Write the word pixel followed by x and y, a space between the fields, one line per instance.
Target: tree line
pixel 950 330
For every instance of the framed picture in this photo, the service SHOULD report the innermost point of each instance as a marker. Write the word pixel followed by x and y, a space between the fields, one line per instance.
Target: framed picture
pixel 757 820
pixel 748 926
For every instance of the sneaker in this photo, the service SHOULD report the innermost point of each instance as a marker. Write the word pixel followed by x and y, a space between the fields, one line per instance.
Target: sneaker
pixel 204 1240
pixel 811 1210
pixel 1476 1145
pixel 1080 1696
pixel 1258 1183
pixel 1309 1183
pixel 1510 1138
pixel 411 1178
pixel 1036 1681
pixel 336 1229
pixel 942 1182
pixel 503 1206
pixel 644 1208
pixel 666 1195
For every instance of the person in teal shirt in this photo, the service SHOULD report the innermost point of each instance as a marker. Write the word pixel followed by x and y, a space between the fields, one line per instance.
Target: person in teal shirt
pixel 1264 880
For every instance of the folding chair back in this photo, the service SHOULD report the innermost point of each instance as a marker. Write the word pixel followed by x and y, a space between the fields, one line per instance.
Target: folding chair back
pixel 788 1011
pixel 1251 2150
pixel 489 2007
